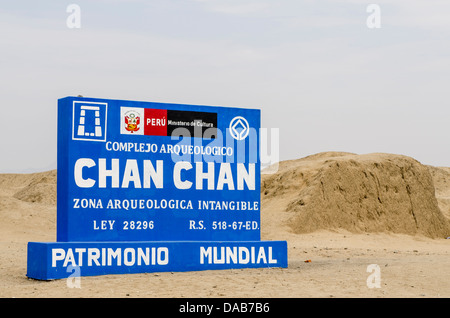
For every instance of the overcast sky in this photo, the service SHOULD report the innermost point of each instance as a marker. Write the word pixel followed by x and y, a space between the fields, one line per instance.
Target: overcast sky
pixel 314 68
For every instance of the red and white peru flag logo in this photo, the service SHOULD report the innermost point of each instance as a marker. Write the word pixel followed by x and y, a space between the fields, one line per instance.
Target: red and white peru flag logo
pixel 143 121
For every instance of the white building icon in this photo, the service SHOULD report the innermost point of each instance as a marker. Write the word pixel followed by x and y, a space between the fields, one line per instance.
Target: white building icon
pixel 89 121
pixel 81 126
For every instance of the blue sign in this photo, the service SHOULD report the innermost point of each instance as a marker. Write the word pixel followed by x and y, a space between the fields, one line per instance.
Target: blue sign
pixel 145 187
pixel 141 171
pixel 60 260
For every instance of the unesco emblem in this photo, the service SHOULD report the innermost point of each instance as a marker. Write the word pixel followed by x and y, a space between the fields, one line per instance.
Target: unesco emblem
pixel 239 128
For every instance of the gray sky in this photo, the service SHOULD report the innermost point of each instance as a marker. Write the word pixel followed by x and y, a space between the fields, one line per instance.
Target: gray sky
pixel 314 68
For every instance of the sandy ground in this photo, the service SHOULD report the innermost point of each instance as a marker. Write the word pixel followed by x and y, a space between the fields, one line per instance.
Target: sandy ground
pixel 409 267
pixel 324 263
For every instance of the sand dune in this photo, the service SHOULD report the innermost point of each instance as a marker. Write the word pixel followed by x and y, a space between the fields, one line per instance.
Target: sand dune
pixel 341 211
pixel 360 193
pixel 28 206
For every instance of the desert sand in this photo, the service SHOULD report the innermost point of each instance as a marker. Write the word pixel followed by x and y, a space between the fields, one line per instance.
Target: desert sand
pixel 339 212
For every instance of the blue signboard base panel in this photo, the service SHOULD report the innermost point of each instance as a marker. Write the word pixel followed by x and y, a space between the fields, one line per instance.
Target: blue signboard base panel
pixel 56 260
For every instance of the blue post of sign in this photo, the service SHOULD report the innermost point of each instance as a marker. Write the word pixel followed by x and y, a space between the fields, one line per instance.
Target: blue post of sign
pixel 145 187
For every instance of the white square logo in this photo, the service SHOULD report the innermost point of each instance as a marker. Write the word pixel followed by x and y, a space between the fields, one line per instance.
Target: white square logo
pixel 89 121
pixel 131 121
